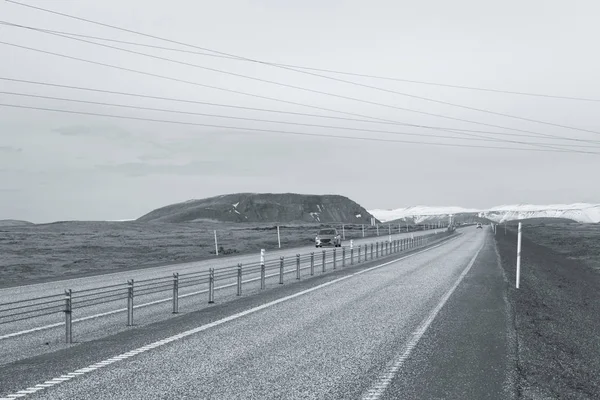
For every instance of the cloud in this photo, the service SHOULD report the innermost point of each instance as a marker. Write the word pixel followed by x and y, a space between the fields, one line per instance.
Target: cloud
pixel 108 131
pixel 195 168
pixel 10 149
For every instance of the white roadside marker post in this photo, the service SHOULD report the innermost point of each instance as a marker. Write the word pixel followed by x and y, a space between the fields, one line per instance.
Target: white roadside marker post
pixel 262 268
pixel 278 237
pixel 519 256
pixel 216 246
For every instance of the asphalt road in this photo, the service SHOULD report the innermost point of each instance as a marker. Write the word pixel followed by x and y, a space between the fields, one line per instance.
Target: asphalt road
pixel 45 334
pixel 58 286
pixel 430 325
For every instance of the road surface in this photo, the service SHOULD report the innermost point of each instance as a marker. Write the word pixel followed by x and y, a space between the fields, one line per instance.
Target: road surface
pixel 58 286
pixel 429 325
pixel 47 333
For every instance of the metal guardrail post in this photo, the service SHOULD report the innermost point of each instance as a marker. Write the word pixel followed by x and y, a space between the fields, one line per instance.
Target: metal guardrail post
pixel 298 266
pixel 351 256
pixel 371 251
pixel 366 251
pixel 211 286
pixel 358 255
pixel 387 250
pixel 312 264
pixel 281 270
pixel 175 292
pixel 130 302
pixel 239 279
pixel 262 276
pixel 324 260
pixel 68 316
pixel 334 259
pixel 377 250
pixel 343 257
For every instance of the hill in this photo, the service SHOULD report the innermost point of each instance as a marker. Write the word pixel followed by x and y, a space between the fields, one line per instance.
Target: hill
pixel 13 222
pixel 263 207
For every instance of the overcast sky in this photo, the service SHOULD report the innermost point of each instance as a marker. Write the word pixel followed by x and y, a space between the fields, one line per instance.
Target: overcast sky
pixel 56 166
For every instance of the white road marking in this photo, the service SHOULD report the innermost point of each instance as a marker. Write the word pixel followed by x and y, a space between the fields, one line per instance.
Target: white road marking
pixel 190 264
pixel 381 385
pixel 112 312
pixel 129 354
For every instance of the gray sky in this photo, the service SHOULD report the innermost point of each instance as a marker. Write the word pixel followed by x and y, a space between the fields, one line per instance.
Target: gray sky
pixel 59 166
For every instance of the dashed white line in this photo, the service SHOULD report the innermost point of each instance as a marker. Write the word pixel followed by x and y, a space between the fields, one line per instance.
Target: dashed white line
pixel 151 303
pixel 129 354
pixel 380 386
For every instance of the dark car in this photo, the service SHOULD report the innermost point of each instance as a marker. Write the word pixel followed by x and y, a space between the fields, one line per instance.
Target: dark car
pixel 328 237
pixel 479 226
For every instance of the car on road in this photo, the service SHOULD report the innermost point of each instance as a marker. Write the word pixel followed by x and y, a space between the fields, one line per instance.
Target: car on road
pixel 328 237
pixel 479 226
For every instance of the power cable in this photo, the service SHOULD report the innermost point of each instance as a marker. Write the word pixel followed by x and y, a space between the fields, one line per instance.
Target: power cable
pixel 291 132
pixel 322 92
pixel 225 55
pixel 474 137
pixel 449 129
pixel 263 97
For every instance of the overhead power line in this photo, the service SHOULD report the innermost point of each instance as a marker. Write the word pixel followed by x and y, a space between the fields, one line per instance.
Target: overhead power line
pixel 472 138
pixel 188 101
pixel 224 55
pixel 319 91
pixel 372 139
pixel 267 97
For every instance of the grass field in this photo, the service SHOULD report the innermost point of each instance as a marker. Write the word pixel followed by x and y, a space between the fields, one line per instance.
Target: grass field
pixel 576 241
pixel 32 253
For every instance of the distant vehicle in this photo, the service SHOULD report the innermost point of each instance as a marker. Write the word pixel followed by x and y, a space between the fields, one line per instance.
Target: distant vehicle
pixel 328 237
pixel 479 226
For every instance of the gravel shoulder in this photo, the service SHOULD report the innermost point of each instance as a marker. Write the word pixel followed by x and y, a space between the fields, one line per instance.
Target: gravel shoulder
pixel 556 318
pixel 468 352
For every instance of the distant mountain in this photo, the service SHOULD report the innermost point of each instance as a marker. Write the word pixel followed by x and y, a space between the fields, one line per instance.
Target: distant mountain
pixel 264 207
pixel 14 222
pixel 423 214
pixel 579 212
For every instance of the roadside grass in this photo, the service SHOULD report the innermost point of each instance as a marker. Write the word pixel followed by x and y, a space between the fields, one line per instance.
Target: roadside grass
pixel 33 253
pixel 576 241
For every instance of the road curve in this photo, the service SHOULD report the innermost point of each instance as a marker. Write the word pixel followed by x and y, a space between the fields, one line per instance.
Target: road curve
pixel 337 336
pixel 160 301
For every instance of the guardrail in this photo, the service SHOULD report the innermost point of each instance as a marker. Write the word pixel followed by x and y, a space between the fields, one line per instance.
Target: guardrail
pixel 129 292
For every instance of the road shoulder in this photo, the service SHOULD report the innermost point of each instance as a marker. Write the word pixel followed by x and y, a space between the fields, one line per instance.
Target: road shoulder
pixel 30 371
pixel 556 316
pixel 468 352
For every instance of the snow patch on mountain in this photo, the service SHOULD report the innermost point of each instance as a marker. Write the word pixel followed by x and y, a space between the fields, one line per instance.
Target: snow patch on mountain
pixel 580 212
pixel 418 213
